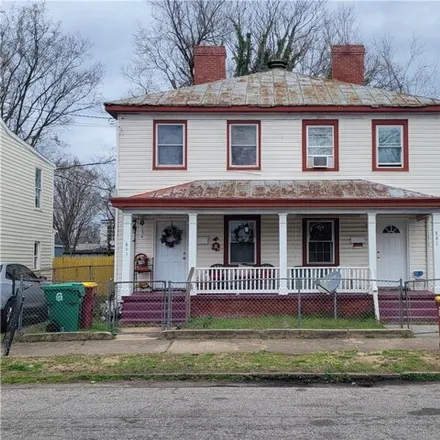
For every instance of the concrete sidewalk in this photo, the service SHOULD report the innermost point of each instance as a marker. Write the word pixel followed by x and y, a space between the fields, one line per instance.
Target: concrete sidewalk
pixel 133 344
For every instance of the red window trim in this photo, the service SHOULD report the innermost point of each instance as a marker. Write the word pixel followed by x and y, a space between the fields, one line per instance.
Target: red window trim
pixel 227 219
pixel 305 242
pixel 405 153
pixel 185 149
pixel 231 167
pixel 335 124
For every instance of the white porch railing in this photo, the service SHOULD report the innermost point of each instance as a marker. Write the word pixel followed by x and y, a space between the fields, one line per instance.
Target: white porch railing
pixel 236 279
pixel 266 279
pixel 353 279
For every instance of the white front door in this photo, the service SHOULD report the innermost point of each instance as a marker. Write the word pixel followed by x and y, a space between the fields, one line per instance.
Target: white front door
pixel 170 262
pixel 392 250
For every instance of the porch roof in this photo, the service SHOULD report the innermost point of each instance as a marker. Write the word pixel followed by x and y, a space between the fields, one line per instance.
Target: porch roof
pixel 279 193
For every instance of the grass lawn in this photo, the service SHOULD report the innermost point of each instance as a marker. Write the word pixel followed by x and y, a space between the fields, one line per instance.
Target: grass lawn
pixel 97 326
pixel 122 367
pixel 280 322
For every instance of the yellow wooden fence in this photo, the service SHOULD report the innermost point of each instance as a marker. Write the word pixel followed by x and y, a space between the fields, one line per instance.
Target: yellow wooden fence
pixel 98 269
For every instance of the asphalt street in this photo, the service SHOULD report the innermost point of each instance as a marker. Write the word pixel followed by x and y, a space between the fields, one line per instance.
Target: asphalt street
pixel 193 411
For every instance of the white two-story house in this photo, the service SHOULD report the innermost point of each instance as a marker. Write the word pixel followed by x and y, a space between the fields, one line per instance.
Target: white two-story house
pixel 278 175
pixel 26 204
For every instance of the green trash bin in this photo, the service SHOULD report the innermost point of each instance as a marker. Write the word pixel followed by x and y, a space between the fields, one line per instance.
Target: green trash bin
pixel 64 304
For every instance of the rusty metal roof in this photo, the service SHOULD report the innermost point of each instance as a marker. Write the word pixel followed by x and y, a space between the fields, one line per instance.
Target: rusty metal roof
pixel 281 189
pixel 277 88
pixel 279 193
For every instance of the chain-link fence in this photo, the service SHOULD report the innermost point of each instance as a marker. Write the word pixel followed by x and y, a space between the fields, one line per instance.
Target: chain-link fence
pixel 296 304
pixel 421 311
pixel 329 304
pixel 302 304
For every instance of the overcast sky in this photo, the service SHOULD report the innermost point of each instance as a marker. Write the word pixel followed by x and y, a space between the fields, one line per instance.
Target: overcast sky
pixel 110 24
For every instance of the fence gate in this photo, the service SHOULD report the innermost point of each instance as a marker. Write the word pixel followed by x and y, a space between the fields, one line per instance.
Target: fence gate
pixel 422 313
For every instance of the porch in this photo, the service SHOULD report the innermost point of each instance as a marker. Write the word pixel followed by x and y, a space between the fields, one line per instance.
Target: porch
pixel 291 230
pixel 275 252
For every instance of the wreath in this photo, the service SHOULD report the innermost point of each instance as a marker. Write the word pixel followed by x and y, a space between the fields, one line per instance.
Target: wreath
pixel 171 236
pixel 243 234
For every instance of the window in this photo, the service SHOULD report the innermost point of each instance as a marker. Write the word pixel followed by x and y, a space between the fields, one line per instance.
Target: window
pixel 320 145
pixel 321 242
pixel 390 145
pixel 242 240
pixel 10 272
pixel 20 272
pixel 391 229
pixel 169 150
pixel 244 145
pixel 36 255
pixel 37 188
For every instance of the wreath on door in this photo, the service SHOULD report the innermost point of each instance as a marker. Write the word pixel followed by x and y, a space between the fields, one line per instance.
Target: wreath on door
pixel 243 234
pixel 171 236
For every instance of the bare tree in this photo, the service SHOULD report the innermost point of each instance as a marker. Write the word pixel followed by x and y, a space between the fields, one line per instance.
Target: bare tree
pixel 166 47
pixel 46 76
pixel 275 29
pixel 298 31
pixel 107 189
pixel 339 27
pixel 415 74
pixel 77 202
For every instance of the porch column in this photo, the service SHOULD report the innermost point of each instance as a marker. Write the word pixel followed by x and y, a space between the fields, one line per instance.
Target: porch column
pixel 127 248
pixel 192 241
pixel 282 229
pixel 436 250
pixel 372 261
pixel 372 248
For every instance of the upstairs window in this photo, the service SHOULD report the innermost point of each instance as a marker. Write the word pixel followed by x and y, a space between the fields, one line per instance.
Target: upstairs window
pixel 390 145
pixel 320 145
pixel 37 188
pixel 169 145
pixel 244 145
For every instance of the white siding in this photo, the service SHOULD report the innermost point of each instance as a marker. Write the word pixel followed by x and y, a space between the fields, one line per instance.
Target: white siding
pixel 281 151
pixel 21 224
pixel 282 159
pixel 430 259
pixel 210 226
pixel 418 247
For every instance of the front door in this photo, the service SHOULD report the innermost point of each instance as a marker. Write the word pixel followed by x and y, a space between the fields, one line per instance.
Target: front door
pixel 391 250
pixel 170 262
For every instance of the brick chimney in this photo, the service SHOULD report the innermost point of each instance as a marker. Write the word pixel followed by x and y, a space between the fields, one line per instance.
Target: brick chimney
pixel 209 64
pixel 348 63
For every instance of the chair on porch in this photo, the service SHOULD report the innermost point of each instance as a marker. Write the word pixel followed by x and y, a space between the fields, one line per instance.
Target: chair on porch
pixel 216 276
pixel 268 277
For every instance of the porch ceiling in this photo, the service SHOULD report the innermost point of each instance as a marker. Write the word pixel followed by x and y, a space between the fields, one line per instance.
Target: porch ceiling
pixel 279 193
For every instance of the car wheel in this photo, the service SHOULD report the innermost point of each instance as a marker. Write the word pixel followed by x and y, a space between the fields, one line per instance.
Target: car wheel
pixel 6 315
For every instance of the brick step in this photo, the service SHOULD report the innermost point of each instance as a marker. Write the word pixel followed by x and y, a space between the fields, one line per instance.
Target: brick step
pixel 151 297
pixel 141 321
pixel 152 306
pixel 416 297
pixel 144 314
pixel 413 304
pixel 411 312
pixel 125 313
pixel 417 319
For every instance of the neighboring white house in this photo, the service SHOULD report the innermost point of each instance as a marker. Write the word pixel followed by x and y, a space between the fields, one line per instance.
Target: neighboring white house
pixel 278 168
pixel 26 203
